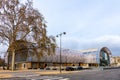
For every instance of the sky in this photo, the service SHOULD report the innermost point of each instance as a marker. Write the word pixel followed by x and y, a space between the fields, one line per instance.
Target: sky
pixel 88 23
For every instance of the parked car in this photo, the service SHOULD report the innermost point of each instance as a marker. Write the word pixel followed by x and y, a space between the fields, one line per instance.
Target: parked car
pixel 54 68
pixel 69 68
pixel 47 68
pixel 41 68
pixel 79 68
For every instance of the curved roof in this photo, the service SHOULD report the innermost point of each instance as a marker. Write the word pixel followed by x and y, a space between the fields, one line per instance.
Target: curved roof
pixel 105 49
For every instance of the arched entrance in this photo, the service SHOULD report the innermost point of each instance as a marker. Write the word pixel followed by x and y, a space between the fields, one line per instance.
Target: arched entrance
pixel 105 56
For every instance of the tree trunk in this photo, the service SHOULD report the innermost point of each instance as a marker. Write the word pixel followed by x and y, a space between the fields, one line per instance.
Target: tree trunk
pixel 13 59
pixel 8 62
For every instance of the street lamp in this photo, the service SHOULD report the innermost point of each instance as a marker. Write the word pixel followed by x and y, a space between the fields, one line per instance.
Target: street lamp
pixel 60 35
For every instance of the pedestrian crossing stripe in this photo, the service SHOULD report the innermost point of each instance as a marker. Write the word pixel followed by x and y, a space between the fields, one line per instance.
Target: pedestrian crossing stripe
pixel 47 78
pixel 57 79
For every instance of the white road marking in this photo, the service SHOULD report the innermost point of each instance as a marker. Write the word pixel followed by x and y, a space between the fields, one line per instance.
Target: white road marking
pixel 47 78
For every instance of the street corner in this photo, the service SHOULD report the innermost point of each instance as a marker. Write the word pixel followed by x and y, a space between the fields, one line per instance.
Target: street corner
pixel 5 76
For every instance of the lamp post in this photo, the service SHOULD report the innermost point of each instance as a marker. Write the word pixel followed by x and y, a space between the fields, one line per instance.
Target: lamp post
pixel 60 35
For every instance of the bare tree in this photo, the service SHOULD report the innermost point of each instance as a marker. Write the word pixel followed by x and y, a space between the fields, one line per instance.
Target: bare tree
pixel 20 21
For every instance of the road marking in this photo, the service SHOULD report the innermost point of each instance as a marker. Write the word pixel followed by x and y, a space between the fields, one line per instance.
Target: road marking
pixel 47 78
pixel 65 79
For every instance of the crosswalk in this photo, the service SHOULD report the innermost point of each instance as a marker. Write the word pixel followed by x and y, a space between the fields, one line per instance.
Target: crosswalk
pixel 31 76
pixel 48 78
pixel 38 78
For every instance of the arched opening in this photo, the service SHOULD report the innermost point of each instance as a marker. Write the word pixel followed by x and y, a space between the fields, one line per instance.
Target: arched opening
pixel 105 56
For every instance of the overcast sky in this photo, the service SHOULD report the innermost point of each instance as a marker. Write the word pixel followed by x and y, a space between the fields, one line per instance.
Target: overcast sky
pixel 88 23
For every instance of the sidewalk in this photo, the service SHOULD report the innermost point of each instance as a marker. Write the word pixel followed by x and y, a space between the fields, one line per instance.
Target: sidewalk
pixel 29 73
pixel 56 72
pixel 5 76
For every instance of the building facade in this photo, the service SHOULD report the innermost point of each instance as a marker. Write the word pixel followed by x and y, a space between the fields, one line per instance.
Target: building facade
pixel 115 61
pixel 26 58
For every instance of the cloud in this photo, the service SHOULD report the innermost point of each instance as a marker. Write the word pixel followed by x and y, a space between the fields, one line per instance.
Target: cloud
pixel 80 17
pixel 110 41
pixel 108 38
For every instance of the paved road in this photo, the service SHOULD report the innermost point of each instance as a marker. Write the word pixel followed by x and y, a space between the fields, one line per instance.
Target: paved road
pixel 111 74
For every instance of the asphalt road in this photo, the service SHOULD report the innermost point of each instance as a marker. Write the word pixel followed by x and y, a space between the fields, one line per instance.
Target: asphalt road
pixel 111 74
